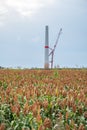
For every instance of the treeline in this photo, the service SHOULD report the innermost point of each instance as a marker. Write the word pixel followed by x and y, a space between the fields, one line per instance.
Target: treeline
pixel 1 67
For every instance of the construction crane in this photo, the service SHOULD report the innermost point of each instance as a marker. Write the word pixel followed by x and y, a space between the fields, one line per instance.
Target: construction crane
pixel 53 50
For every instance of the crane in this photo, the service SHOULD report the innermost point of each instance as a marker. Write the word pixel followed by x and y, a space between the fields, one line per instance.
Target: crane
pixel 53 49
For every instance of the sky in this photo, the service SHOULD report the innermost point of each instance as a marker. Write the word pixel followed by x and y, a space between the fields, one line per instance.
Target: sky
pixel 22 32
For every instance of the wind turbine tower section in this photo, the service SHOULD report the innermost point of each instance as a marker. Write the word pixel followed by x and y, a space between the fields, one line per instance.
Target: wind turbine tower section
pixel 46 65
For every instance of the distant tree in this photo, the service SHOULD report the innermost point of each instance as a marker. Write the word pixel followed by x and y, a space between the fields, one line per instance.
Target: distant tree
pixel 1 67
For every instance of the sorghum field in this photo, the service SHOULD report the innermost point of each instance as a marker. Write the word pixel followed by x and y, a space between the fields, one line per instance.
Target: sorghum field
pixel 43 99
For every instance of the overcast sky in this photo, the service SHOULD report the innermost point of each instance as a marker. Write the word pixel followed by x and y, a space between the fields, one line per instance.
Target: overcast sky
pixel 22 32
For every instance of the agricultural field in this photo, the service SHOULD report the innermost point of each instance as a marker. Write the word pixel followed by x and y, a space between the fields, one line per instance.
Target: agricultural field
pixel 43 99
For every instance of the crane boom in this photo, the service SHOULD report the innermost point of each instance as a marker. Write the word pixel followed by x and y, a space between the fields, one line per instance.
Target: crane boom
pixel 57 38
pixel 52 50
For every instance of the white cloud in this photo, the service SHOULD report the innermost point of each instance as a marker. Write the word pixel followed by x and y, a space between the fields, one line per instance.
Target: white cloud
pixel 3 10
pixel 25 8
pixel 3 13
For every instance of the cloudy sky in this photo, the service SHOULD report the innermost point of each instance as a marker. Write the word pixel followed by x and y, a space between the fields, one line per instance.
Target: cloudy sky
pixel 22 32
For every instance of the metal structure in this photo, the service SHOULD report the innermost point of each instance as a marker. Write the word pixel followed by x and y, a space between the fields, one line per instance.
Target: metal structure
pixel 47 54
pixel 52 50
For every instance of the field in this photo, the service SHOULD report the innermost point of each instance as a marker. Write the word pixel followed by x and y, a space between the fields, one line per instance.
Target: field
pixel 43 99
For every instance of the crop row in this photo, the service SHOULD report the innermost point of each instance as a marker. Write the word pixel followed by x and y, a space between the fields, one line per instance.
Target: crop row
pixel 43 99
